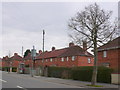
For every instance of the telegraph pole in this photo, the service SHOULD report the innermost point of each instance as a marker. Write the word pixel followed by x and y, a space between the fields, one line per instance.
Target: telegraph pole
pixel 43 54
pixel 22 51
pixel 10 62
pixel 43 44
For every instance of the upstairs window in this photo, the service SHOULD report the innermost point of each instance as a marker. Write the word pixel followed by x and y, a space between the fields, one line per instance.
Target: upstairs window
pixel 62 59
pixel 51 60
pixel 73 58
pixel 104 53
pixel 89 60
pixel 67 58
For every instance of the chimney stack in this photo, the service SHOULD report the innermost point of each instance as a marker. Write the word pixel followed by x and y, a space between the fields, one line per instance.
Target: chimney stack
pixel 40 51
pixel 15 54
pixel 84 45
pixel 71 44
pixel 53 48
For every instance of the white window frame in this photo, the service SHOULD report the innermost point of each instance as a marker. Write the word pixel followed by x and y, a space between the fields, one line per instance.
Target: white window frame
pixel 62 59
pixel 73 58
pixel 67 58
pixel 89 60
pixel 104 53
pixel 51 59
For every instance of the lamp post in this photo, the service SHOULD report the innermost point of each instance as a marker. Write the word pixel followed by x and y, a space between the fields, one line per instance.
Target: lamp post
pixel 33 55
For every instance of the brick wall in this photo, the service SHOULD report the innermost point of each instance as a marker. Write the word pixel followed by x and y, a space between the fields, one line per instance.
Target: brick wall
pixel 79 61
pixel 83 61
pixel 112 58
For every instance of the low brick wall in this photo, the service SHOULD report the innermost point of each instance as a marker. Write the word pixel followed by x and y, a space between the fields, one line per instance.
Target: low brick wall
pixel 115 78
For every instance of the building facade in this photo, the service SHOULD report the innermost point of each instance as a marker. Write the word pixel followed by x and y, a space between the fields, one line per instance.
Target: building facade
pixel 72 56
pixel 109 54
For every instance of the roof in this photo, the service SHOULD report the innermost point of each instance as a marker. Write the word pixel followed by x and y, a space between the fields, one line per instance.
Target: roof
pixel 28 57
pixel 16 57
pixel 111 45
pixel 5 58
pixel 70 51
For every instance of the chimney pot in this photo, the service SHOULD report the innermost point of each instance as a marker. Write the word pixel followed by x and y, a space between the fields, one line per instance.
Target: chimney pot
pixel 71 44
pixel 40 51
pixel 53 48
pixel 15 54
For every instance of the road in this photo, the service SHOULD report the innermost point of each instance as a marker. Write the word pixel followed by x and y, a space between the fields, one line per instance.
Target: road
pixel 13 81
pixel 21 81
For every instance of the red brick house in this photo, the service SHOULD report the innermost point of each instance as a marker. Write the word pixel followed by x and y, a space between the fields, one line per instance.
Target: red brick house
pixel 16 60
pixel 66 57
pixel 0 62
pixel 5 61
pixel 108 54
pixel 28 60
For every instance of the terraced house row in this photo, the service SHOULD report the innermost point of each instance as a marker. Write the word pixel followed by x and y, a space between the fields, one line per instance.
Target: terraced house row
pixel 71 56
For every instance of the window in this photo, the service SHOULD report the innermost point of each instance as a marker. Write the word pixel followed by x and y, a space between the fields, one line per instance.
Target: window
pixel 67 58
pixel 62 59
pixel 51 59
pixel 89 60
pixel 73 58
pixel 104 53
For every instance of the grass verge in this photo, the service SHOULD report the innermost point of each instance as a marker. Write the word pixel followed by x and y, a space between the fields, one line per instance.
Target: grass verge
pixel 94 85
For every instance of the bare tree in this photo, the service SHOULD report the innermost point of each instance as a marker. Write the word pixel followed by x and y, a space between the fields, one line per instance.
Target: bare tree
pixel 93 25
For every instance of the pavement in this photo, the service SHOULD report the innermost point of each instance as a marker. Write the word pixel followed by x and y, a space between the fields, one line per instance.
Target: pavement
pixel 69 82
pixel 76 83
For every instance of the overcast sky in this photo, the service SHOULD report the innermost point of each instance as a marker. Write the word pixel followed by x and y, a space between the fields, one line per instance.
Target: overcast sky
pixel 23 22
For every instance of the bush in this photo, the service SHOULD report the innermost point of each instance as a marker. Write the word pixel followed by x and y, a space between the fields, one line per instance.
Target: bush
pixel 14 69
pixel 27 65
pixel 5 68
pixel 58 72
pixel 83 73
pixel 104 74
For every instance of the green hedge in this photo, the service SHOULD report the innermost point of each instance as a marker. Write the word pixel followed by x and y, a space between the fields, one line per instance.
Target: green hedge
pixel 81 73
pixel 58 72
pixel 104 74
pixel 14 69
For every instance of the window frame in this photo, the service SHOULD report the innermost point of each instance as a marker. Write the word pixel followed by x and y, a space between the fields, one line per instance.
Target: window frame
pixel 89 60
pixel 73 58
pixel 104 54
pixel 62 59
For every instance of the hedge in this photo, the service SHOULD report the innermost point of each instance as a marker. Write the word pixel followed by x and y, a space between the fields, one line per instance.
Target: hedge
pixel 81 73
pixel 58 72
pixel 14 69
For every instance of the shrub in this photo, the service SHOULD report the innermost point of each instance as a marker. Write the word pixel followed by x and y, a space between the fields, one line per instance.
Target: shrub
pixel 83 73
pixel 58 72
pixel 27 65
pixel 104 74
pixel 14 69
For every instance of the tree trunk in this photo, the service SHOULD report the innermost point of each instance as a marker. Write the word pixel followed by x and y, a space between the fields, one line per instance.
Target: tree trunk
pixel 94 76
